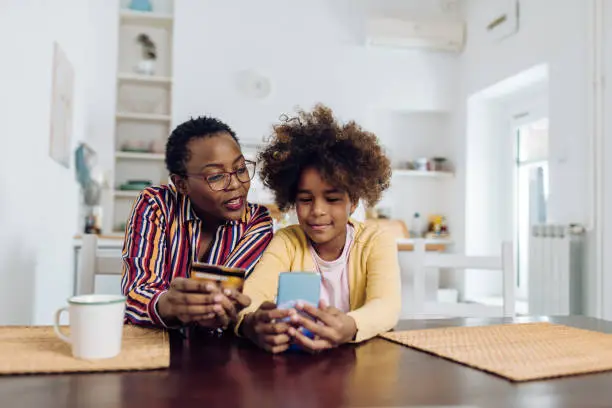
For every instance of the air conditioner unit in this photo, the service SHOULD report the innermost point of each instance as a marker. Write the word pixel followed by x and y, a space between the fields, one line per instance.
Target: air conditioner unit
pixel 398 33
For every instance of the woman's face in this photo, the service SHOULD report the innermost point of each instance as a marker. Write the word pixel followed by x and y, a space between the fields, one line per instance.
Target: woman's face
pixel 210 157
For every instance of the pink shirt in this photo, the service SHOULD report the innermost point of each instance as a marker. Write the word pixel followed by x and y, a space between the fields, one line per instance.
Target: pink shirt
pixel 334 279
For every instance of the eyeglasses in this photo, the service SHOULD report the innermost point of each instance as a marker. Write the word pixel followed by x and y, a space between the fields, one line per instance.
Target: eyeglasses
pixel 220 181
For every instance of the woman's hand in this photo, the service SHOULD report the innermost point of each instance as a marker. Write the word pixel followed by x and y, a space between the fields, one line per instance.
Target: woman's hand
pixel 191 301
pixel 263 328
pixel 237 302
pixel 330 328
pixel 238 299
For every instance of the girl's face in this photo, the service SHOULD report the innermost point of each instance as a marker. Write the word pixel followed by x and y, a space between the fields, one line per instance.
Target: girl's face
pixel 322 209
pixel 209 158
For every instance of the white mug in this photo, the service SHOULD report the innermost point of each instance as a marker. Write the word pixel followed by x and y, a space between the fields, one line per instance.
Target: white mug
pixel 96 325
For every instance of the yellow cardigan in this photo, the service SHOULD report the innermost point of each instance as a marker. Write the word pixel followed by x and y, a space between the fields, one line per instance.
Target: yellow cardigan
pixel 373 268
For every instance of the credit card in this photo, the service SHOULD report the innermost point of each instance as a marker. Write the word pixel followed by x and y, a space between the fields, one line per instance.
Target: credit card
pixel 224 276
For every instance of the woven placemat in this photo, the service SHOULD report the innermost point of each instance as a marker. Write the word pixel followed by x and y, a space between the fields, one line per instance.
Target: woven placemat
pixel 517 352
pixel 36 349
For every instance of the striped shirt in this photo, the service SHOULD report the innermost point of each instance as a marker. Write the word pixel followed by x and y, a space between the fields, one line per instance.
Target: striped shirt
pixel 162 239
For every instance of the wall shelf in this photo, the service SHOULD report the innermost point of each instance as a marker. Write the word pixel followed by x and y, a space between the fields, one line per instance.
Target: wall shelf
pixel 145 117
pixel 145 18
pixel 424 174
pixel 140 156
pixel 126 193
pixel 143 79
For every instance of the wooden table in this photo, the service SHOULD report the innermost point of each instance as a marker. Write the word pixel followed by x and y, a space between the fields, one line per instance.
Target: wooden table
pixel 225 372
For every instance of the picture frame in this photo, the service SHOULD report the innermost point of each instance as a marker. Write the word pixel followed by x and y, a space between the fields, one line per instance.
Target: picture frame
pixel 62 103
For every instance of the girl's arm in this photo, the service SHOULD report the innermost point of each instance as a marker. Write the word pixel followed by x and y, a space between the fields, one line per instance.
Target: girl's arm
pixel 261 285
pixel 383 303
pixel 379 313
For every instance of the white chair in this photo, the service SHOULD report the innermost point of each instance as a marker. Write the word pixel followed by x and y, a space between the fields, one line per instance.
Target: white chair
pixel 94 262
pixel 424 261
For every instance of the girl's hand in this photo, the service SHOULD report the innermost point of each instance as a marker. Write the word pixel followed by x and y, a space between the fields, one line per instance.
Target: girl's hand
pixel 330 328
pixel 263 328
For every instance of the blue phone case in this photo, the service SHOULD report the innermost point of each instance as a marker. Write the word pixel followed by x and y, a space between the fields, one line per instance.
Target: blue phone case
pixel 298 286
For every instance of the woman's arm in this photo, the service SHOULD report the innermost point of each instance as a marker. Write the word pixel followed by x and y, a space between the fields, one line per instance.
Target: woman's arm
pixel 153 296
pixel 145 277
pixel 253 242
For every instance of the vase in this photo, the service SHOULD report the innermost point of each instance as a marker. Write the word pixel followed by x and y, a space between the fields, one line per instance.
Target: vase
pixel 146 67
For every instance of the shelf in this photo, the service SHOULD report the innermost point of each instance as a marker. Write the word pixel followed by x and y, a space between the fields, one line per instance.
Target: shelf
pixel 427 241
pixel 431 244
pixel 144 79
pixel 419 173
pixel 151 117
pixel 112 240
pixel 145 18
pixel 110 236
pixel 139 156
pixel 126 193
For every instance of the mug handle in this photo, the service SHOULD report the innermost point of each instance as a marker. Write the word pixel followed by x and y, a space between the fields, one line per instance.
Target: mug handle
pixel 56 325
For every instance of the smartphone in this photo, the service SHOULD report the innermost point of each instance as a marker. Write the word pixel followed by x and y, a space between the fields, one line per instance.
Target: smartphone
pixel 298 286
pixel 224 276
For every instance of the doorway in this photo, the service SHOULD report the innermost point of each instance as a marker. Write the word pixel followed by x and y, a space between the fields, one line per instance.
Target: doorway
pixel 531 191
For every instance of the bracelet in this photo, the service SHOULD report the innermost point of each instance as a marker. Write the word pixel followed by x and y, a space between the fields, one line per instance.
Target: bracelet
pixel 216 332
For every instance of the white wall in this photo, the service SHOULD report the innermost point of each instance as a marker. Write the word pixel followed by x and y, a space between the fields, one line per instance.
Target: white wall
pixel 38 197
pixel 552 32
pixel 102 92
pixel 311 50
pixel 484 187
pixel 314 51
pixel 607 163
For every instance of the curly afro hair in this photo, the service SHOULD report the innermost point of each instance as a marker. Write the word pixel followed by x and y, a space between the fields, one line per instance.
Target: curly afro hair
pixel 347 156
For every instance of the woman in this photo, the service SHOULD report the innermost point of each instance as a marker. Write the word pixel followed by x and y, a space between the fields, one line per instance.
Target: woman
pixel 203 215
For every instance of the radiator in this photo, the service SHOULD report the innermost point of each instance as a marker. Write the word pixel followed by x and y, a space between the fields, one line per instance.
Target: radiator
pixel 555 269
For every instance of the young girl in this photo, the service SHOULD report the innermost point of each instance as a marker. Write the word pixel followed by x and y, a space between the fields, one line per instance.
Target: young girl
pixel 323 168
